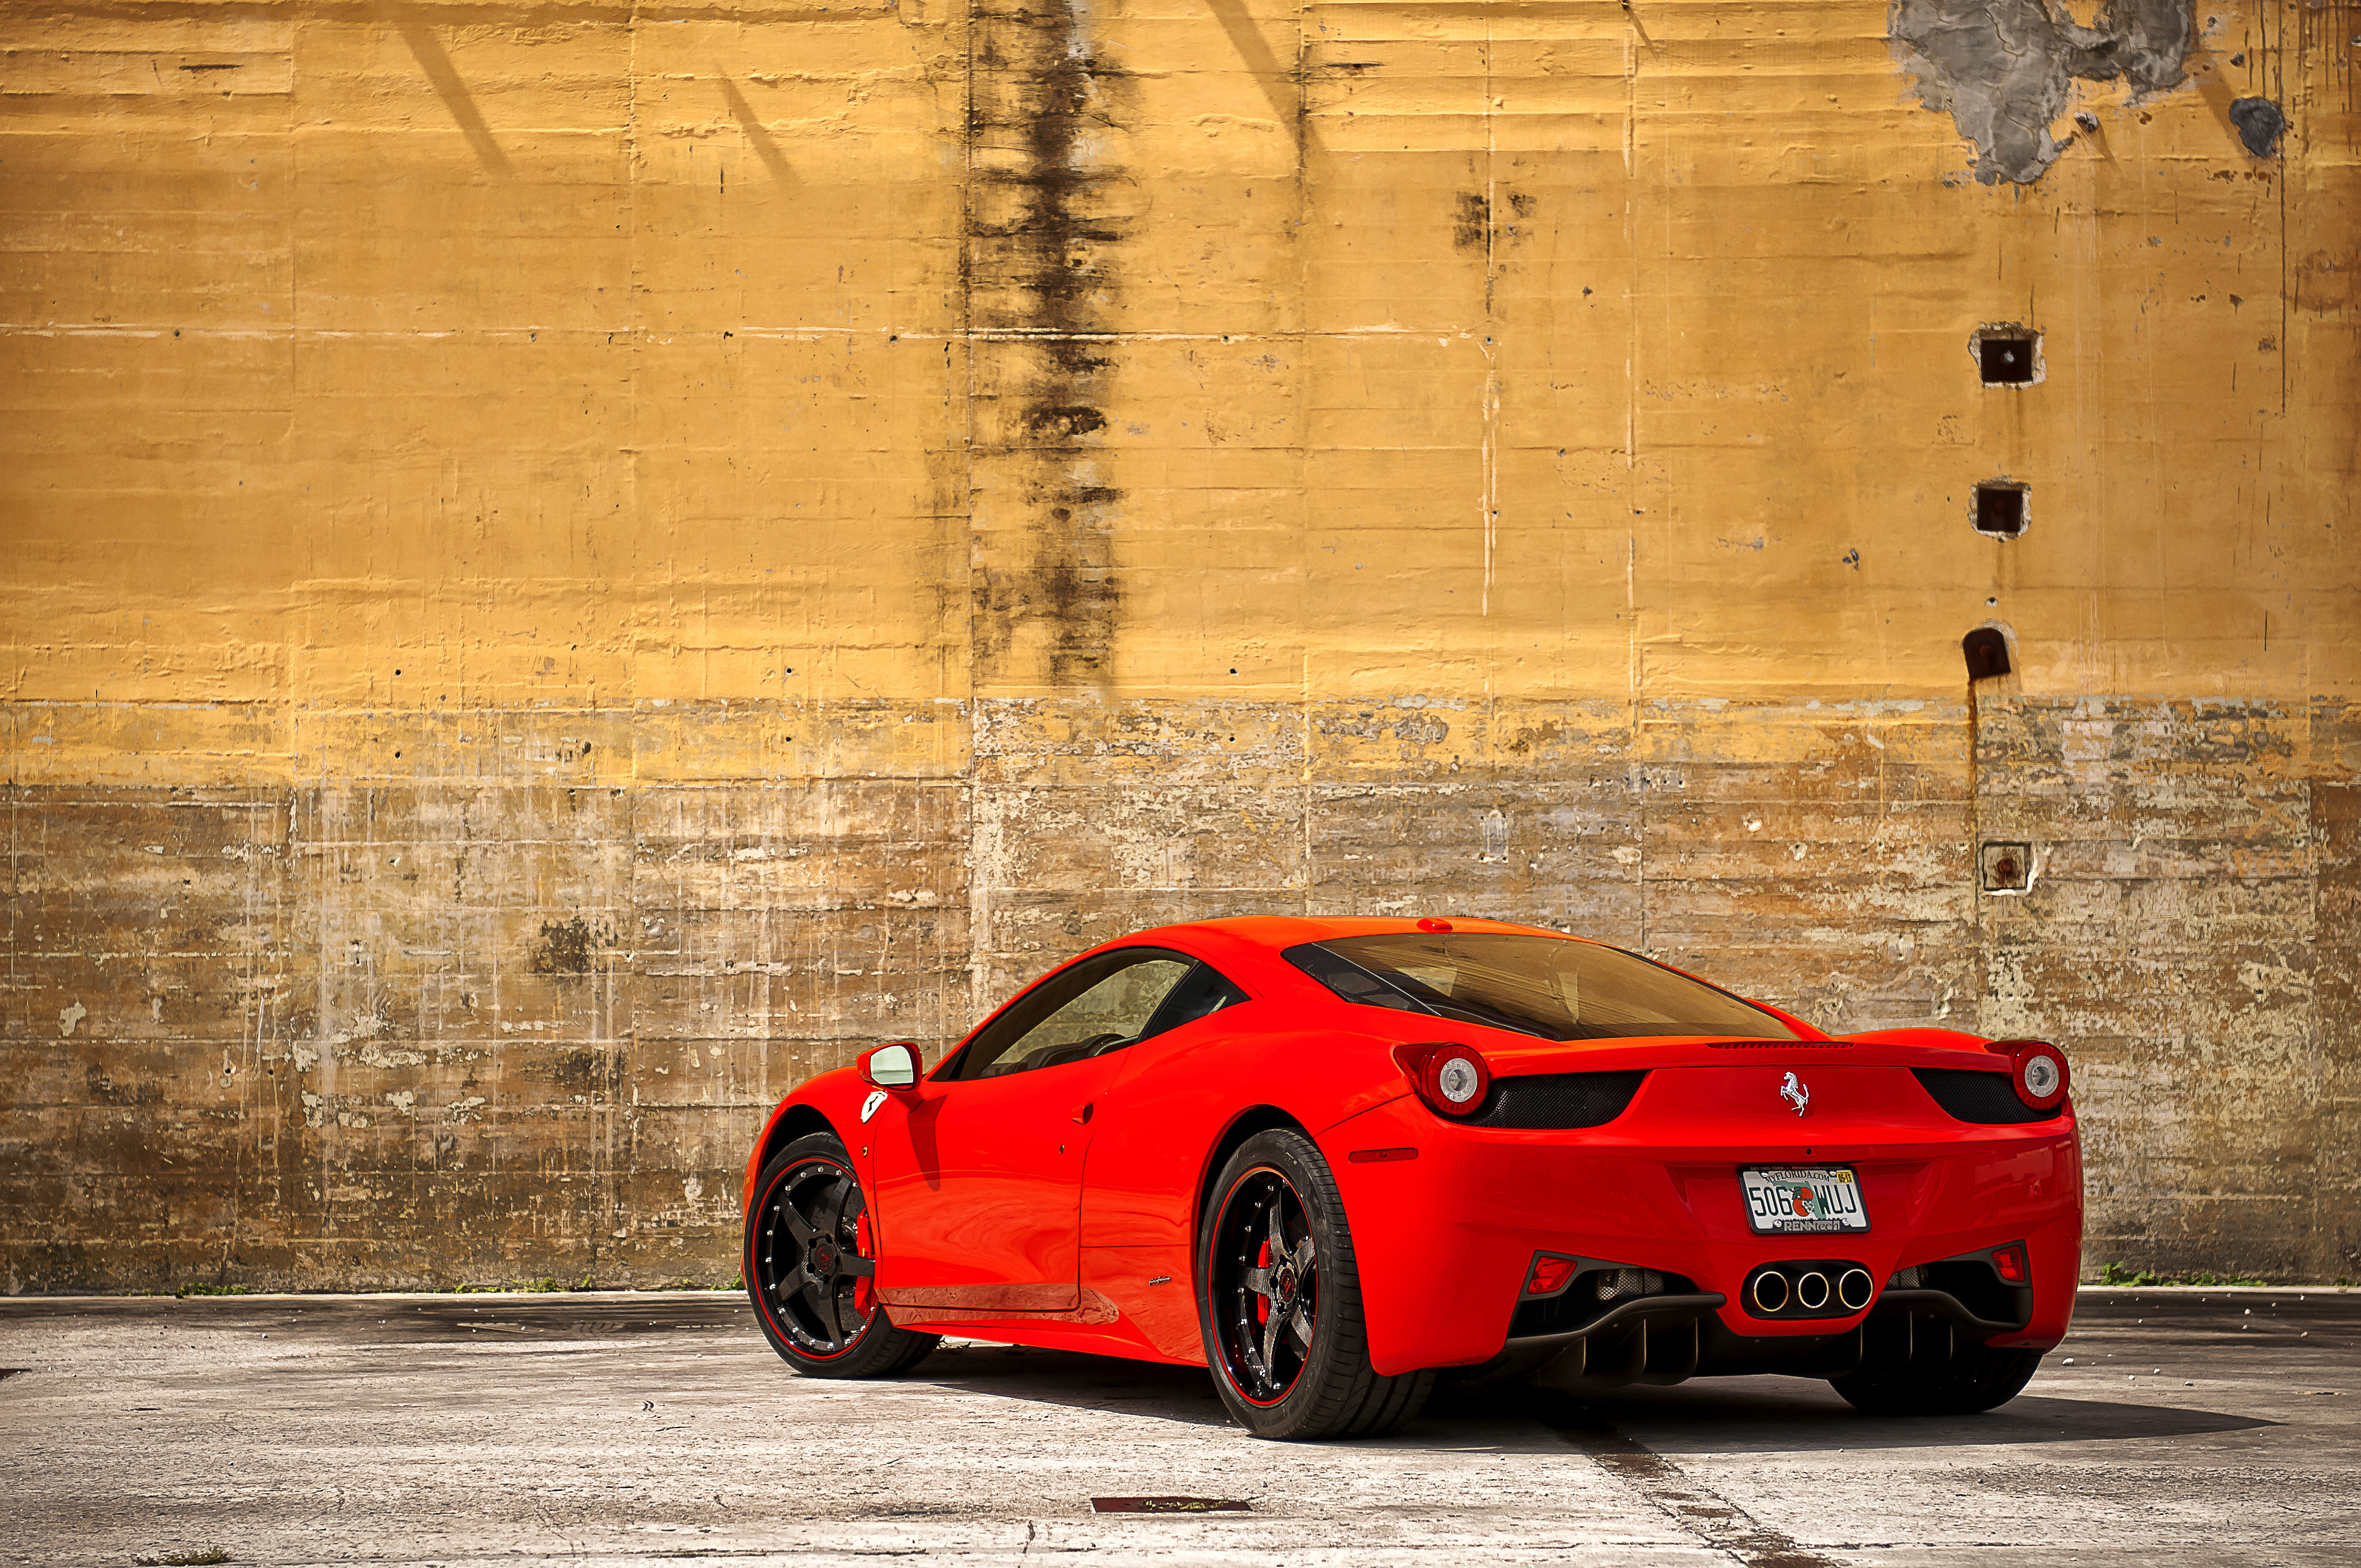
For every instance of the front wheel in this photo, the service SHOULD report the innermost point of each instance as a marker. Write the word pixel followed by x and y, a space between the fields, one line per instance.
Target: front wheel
pixel 811 1272
pixel 1937 1378
pixel 1280 1302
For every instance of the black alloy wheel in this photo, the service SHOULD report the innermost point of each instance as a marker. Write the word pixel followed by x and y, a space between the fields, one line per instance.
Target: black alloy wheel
pixel 811 1275
pixel 1280 1302
pixel 1266 1283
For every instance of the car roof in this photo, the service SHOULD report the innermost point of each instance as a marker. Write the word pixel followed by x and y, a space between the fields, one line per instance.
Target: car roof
pixel 1286 930
pixel 1247 948
pixel 1270 933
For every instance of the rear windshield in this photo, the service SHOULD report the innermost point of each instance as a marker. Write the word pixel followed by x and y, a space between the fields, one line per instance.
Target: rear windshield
pixel 1535 985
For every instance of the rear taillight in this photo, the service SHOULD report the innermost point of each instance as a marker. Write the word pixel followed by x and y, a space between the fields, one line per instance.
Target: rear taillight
pixel 2039 1070
pixel 1452 1079
pixel 2009 1262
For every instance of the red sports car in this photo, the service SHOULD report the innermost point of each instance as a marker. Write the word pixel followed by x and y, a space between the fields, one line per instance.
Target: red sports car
pixel 1330 1158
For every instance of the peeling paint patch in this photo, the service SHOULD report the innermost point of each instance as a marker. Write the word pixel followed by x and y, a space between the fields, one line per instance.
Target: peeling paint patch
pixel 2003 69
pixel 376 1057
pixel 71 1015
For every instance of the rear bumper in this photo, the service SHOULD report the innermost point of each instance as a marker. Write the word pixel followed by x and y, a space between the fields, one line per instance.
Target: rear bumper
pixel 1445 1241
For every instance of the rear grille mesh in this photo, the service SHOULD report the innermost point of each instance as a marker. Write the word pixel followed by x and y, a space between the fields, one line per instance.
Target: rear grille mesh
pixel 1550 1101
pixel 1986 1097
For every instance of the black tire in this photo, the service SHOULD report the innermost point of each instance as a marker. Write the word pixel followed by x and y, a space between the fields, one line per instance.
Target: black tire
pixel 1280 1301
pixel 1942 1378
pixel 808 1272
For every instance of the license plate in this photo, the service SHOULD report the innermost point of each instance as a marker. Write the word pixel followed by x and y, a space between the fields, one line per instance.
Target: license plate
pixel 1803 1199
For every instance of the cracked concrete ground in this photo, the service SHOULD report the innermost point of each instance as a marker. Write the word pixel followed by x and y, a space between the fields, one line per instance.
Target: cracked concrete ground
pixel 2190 1427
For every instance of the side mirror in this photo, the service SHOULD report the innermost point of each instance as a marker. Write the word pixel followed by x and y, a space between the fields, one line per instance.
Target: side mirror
pixel 892 1066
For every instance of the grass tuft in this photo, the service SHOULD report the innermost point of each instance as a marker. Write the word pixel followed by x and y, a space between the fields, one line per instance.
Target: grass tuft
pixel 197 1287
pixel 2116 1274
pixel 547 1284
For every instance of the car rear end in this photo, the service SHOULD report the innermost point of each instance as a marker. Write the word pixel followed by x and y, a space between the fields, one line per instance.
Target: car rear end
pixel 1644 1182
pixel 1716 1189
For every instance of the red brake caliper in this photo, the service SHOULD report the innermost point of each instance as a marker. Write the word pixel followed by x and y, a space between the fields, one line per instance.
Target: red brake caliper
pixel 863 1294
pixel 1262 1298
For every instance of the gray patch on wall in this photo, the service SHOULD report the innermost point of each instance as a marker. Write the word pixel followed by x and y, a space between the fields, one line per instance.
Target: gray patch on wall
pixel 2002 69
pixel 2259 123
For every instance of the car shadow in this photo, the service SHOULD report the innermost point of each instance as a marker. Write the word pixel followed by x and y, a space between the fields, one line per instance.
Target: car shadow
pixel 1076 1381
pixel 1732 1415
pixel 1185 1395
pixel 1751 1415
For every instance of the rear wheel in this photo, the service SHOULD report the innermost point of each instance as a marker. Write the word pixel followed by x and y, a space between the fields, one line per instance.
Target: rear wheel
pixel 811 1270
pixel 1280 1308
pixel 1911 1376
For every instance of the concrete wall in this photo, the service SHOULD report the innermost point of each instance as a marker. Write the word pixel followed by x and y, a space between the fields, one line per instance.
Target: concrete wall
pixel 568 567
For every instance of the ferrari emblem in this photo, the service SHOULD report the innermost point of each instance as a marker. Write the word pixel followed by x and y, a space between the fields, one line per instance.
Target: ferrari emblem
pixel 1795 1094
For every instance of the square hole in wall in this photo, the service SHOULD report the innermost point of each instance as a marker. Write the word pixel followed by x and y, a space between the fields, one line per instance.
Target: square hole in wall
pixel 2001 508
pixel 2006 360
pixel 2007 354
pixel 1986 648
pixel 2007 867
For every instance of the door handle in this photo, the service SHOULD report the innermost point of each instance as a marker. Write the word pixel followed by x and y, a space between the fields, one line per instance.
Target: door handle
pixel 1083 1115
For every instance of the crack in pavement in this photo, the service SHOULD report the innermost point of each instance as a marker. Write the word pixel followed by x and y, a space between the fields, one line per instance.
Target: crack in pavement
pixel 1689 1503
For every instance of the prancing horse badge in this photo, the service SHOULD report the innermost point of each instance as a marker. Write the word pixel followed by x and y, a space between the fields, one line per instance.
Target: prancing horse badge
pixel 1795 1094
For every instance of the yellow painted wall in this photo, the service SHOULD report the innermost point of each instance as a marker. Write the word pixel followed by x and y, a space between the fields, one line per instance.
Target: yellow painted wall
pixel 567 567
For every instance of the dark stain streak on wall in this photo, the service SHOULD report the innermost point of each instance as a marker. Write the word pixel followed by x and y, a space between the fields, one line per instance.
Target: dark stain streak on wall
pixel 1473 228
pixel 562 947
pixel 104 1091
pixel 1040 275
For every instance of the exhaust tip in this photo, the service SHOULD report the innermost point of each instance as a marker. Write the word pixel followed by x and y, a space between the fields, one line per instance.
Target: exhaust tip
pixel 1769 1291
pixel 1812 1290
pixel 1854 1288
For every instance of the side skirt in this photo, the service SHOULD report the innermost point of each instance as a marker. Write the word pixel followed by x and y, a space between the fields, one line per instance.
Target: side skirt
pixel 1039 1331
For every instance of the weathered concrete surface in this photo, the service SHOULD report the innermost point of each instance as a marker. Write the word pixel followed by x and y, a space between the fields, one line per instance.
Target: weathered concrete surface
pixel 320 1038
pixel 563 568
pixel 2222 1428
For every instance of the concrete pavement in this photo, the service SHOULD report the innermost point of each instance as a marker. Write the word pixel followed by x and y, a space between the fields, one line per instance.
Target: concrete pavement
pixel 2188 1427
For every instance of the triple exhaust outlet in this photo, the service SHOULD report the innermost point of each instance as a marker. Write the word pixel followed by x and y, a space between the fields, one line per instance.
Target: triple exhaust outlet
pixel 1809 1289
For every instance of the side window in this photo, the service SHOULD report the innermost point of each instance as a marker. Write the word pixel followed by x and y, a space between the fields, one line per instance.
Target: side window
pixel 1111 1002
pixel 1096 1006
pixel 1206 991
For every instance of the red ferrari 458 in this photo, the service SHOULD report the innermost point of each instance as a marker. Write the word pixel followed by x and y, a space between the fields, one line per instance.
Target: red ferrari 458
pixel 1331 1158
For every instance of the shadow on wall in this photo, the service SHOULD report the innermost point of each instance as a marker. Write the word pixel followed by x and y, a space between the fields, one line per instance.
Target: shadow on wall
pixel 434 59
